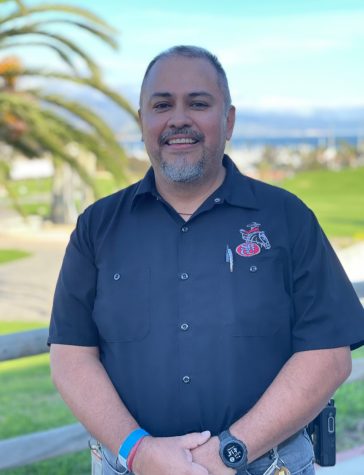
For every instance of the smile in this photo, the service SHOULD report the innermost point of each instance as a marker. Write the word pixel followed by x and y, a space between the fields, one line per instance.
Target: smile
pixel 178 141
pixel 183 136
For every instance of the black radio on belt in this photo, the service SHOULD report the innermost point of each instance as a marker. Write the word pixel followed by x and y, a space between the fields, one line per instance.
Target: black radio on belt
pixel 323 436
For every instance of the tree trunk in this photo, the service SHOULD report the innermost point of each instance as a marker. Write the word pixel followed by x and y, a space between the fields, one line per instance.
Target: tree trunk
pixel 63 207
pixel 69 188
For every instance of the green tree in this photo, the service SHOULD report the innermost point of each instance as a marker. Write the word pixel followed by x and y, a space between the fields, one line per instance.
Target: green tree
pixel 34 121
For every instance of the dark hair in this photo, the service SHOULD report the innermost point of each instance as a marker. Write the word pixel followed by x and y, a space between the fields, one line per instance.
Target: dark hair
pixel 195 52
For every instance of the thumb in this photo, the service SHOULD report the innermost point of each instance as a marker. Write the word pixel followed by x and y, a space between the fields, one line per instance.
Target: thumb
pixel 194 439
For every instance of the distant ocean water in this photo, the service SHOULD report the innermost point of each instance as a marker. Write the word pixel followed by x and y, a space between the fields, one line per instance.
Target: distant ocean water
pixel 293 141
pixel 251 142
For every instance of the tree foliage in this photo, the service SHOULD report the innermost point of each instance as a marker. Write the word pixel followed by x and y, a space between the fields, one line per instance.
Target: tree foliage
pixel 34 120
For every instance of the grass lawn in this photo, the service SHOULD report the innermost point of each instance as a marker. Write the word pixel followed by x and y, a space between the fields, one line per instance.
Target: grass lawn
pixel 8 255
pixel 18 326
pixel 29 403
pixel 337 198
pixel 35 194
pixel 349 401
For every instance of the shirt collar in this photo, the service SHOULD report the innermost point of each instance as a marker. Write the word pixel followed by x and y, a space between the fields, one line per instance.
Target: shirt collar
pixel 235 190
pixel 146 185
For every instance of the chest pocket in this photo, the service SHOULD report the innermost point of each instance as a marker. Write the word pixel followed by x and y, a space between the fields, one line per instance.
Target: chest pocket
pixel 122 305
pixel 256 295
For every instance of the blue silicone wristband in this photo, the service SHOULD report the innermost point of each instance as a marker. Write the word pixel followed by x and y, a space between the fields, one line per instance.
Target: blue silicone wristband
pixel 129 443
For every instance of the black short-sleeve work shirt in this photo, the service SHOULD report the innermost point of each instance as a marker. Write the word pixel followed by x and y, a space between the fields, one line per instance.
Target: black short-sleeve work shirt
pixel 195 319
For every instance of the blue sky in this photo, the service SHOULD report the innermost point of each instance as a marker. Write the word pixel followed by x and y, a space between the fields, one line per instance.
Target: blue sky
pixel 278 54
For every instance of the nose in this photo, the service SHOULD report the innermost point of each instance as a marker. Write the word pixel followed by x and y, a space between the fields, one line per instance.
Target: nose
pixel 179 117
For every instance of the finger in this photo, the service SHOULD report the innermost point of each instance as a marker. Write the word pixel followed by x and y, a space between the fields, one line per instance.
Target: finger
pixel 195 439
pixel 188 455
pixel 199 469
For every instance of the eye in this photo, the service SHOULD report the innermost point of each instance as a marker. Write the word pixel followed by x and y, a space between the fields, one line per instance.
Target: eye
pixel 161 106
pixel 199 105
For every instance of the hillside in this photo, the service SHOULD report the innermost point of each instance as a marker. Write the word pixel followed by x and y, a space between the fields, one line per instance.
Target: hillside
pixel 336 197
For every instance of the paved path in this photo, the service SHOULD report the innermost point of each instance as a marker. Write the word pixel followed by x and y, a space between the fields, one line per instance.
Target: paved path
pixel 27 285
pixel 352 258
pixel 350 462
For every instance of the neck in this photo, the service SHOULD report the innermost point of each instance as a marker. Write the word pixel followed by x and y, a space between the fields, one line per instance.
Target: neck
pixel 186 198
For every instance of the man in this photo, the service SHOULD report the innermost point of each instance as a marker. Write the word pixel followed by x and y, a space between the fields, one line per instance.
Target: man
pixel 201 318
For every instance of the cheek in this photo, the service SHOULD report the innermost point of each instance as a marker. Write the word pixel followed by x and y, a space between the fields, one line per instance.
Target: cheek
pixel 215 134
pixel 213 127
pixel 151 130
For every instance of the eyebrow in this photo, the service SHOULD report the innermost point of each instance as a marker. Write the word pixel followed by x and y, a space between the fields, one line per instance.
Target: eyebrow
pixel 191 94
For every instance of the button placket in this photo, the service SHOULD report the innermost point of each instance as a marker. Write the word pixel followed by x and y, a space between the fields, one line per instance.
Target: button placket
pixel 184 264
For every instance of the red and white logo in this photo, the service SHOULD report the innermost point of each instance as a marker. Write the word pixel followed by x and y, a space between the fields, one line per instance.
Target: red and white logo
pixel 254 239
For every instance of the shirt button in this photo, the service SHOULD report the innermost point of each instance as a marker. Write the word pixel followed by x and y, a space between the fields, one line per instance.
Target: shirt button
pixel 217 200
pixel 116 276
pixel 253 268
pixel 186 379
pixel 184 276
pixel 184 229
pixel 184 326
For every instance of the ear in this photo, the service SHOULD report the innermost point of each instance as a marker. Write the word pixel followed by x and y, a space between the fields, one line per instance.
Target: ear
pixel 140 122
pixel 230 122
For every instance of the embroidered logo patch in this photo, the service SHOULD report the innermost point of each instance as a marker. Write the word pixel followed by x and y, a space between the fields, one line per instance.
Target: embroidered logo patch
pixel 254 239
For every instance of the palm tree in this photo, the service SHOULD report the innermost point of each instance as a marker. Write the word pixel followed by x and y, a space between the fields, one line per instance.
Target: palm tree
pixel 33 121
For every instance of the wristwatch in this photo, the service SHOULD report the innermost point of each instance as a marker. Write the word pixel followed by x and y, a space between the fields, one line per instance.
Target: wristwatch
pixel 233 452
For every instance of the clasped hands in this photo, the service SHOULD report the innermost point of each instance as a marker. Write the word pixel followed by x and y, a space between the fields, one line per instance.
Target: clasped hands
pixel 196 453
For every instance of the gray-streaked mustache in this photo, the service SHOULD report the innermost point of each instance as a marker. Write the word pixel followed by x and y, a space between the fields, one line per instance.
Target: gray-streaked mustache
pixel 182 131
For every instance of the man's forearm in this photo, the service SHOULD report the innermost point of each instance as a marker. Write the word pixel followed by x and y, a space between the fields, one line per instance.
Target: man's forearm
pixel 295 397
pixel 86 388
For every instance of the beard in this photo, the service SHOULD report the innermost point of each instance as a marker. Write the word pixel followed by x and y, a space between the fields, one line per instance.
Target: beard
pixel 180 171
pixel 180 168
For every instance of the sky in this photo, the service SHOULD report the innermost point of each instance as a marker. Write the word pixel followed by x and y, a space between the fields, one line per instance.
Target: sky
pixel 278 54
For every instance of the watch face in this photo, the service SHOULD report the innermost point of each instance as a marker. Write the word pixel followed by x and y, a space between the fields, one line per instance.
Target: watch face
pixel 233 452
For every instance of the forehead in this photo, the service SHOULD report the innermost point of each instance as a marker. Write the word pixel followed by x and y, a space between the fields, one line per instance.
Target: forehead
pixel 180 75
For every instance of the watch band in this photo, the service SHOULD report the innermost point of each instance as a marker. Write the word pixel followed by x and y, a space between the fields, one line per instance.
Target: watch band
pixel 225 434
pixel 233 452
